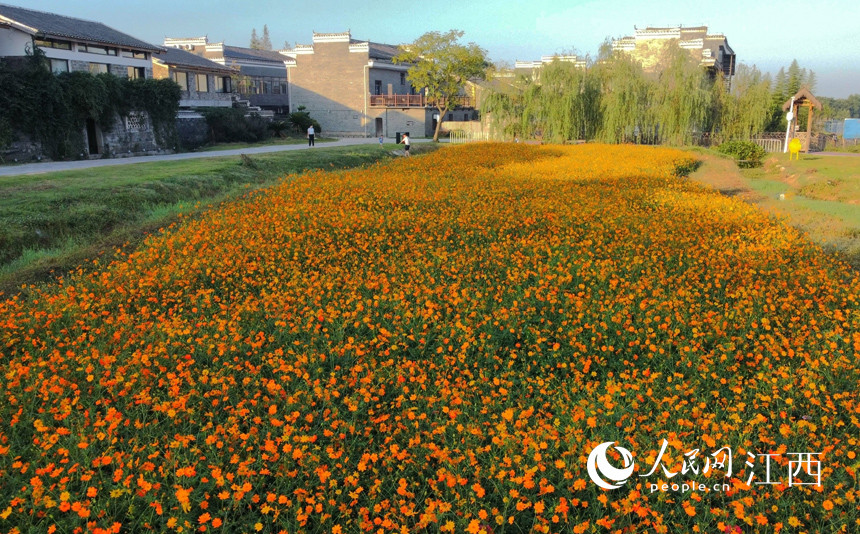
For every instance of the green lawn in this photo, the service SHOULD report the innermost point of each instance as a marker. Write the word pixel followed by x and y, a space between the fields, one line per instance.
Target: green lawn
pixel 53 222
pixel 820 194
pixel 274 141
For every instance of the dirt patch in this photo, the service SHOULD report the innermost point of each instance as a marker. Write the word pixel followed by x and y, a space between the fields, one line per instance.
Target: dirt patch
pixel 724 176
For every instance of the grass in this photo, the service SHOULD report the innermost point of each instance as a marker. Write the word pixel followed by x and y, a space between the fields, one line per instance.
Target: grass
pixel 53 222
pixel 818 194
pixel 274 141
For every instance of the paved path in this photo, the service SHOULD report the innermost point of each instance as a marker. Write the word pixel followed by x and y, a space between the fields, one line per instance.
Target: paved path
pixel 849 154
pixel 55 166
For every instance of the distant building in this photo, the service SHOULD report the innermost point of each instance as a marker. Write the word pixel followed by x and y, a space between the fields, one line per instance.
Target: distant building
pixel 352 87
pixel 532 68
pixel 76 45
pixel 204 83
pixel 260 75
pixel 712 51
pixel 72 44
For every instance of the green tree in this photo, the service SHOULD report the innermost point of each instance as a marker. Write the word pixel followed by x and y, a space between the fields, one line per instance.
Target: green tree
pixel 564 102
pixel 255 41
pixel 683 99
pixel 746 111
pixel 625 104
pixel 265 41
pixel 504 108
pixel 796 76
pixel 441 66
pixel 854 105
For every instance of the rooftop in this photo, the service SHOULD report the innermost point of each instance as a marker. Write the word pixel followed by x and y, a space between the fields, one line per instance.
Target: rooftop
pixel 181 58
pixel 42 24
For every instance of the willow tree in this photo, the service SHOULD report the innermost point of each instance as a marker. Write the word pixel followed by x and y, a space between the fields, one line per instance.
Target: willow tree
pixel 503 106
pixel 683 99
pixel 625 103
pixel 567 102
pixel 746 110
pixel 442 66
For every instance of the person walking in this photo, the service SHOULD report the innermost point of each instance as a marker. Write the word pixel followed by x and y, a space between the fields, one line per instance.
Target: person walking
pixel 405 140
pixel 311 135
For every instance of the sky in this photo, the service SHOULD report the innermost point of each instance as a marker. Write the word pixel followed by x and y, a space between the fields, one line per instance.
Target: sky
pixel 822 35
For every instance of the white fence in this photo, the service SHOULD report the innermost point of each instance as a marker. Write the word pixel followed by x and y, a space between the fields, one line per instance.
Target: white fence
pixel 457 137
pixel 770 145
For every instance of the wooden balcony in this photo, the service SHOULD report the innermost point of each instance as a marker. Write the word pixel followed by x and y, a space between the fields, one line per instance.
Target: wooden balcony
pixel 397 101
pixel 410 101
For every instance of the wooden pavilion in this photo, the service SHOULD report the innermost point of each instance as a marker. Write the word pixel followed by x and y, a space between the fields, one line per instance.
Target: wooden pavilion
pixel 803 99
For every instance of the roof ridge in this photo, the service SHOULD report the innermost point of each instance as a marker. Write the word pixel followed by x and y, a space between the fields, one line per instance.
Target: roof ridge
pixel 58 15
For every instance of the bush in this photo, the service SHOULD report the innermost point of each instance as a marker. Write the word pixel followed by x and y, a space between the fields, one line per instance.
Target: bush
pixel 302 120
pixel 53 109
pixel 230 125
pixel 746 153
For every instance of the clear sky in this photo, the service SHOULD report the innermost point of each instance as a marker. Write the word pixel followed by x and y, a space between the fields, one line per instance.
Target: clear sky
pixel 823 35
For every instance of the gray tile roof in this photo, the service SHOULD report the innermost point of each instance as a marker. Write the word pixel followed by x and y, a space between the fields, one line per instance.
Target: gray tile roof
pixel 180 58
pixel 238 52
pixel 383 51
pixel 60 26
pixel 379 50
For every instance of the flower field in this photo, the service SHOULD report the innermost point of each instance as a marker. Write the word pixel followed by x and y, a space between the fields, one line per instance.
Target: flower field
pixel 436 345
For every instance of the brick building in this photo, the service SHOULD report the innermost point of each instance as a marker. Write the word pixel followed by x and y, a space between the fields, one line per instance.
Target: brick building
pixel 353 88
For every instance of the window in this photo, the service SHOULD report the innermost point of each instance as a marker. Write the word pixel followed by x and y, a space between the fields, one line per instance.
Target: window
pixel 94 49
pixel 402 78
pixel 182 79
pixel 136 73
pixel 202 83
pixel 135 121
pixel 134 55
pixel 98 68
pixel 283 88
pixel 377 87
pixel 222 84
pixel 59 65
pixel 53 43
pixel 450 116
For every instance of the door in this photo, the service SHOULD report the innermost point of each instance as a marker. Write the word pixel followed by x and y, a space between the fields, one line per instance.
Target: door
pixel 92 137
pixel 378 126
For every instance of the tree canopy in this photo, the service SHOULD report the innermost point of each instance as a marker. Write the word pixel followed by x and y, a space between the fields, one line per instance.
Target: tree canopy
pixel 614 100
pixel 442 66
pixel 261 43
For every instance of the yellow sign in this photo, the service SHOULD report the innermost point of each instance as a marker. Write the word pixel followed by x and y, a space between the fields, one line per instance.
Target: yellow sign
pixel 794 147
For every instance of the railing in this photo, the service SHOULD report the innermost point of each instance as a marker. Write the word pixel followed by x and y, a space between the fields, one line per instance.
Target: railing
pixel 397 101
pixel 412 101
pixel 458 137
pixel 770 145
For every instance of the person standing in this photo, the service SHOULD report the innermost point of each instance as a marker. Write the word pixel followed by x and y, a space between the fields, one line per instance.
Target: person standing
pixel 311 135
pixel 405 140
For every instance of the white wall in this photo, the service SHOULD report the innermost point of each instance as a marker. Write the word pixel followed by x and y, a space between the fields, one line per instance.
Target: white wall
pixel 14 43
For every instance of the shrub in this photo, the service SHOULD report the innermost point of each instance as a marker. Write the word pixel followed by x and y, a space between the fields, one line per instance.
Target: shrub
pixel 302 120
pixel 746 153
pixel 230 125
pixel 53 109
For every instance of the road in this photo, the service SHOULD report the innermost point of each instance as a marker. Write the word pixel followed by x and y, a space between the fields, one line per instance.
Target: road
pixel 59 166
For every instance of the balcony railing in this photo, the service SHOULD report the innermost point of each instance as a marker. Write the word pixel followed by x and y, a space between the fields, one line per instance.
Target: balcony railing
pixel 411 101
